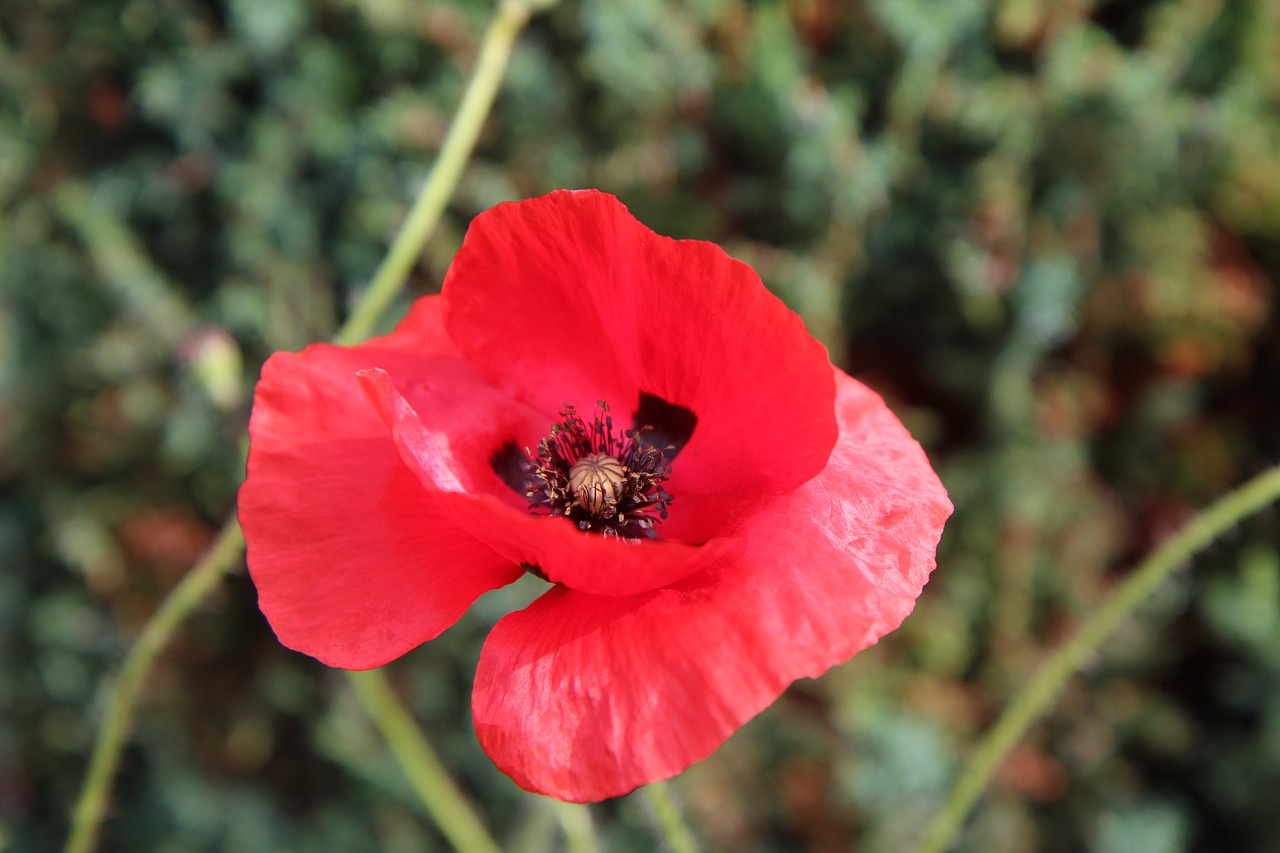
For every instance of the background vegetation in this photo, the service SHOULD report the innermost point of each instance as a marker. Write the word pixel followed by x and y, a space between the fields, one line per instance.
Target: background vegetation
pixel 1048 232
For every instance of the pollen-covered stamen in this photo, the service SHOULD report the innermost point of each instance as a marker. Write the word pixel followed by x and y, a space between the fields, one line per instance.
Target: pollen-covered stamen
pixel 606 483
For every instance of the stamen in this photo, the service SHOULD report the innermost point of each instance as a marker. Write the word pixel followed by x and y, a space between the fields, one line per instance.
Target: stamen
pixel 606 483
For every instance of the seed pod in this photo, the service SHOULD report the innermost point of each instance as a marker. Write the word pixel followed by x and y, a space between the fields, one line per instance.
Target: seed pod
pixel 596 481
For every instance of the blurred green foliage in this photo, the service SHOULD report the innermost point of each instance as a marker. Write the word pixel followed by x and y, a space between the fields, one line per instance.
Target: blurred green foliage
pixel 1047 231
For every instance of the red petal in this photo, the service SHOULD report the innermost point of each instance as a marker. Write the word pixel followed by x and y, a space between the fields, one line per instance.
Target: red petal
pixel 583 698
pixel 584 561
pixel 568 299
pixel 353 561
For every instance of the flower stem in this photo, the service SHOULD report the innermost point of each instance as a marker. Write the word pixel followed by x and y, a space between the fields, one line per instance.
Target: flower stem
pixel 189 592
pixel 405 250
pixel 674 829
pixel 1054 673
pixel 388 279
pixel 442 800
pixel 575 823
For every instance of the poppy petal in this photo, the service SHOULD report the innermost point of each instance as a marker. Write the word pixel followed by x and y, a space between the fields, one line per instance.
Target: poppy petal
pixel 584 697
pixel 567 298
pixel 353 561
pixel 555 547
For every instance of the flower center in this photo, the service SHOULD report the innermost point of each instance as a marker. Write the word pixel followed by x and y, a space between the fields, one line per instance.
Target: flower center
pixel 608 483
pixel 596 481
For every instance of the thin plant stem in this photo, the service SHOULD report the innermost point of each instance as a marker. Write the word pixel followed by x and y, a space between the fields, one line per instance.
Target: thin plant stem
pixel 670 820
pixel 495 53
pixel 1054 673
pixel 575 823
pixel 120 257
pixel 389 278
pixel 181 601
pixel 441 798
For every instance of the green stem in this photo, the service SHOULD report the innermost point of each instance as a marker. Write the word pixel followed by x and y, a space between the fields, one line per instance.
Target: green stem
pixel 184 598
pixel 123 263
pixel 674 829
pixel 575 823
pixel 495 53
pixel 442 800
pixel 1054 673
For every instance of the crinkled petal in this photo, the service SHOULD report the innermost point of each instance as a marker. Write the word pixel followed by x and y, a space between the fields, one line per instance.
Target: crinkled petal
pixel 583 697
pixel 559 550
pixel 567 298
pixel 354 562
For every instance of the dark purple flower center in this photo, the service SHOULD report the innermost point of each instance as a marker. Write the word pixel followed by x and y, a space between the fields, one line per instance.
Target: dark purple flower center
pixel 601 480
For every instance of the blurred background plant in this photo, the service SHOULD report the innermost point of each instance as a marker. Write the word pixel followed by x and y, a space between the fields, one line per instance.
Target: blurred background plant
pixel 1047 232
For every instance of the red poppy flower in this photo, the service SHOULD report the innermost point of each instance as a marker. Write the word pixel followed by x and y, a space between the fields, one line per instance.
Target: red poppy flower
pixel 719 511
